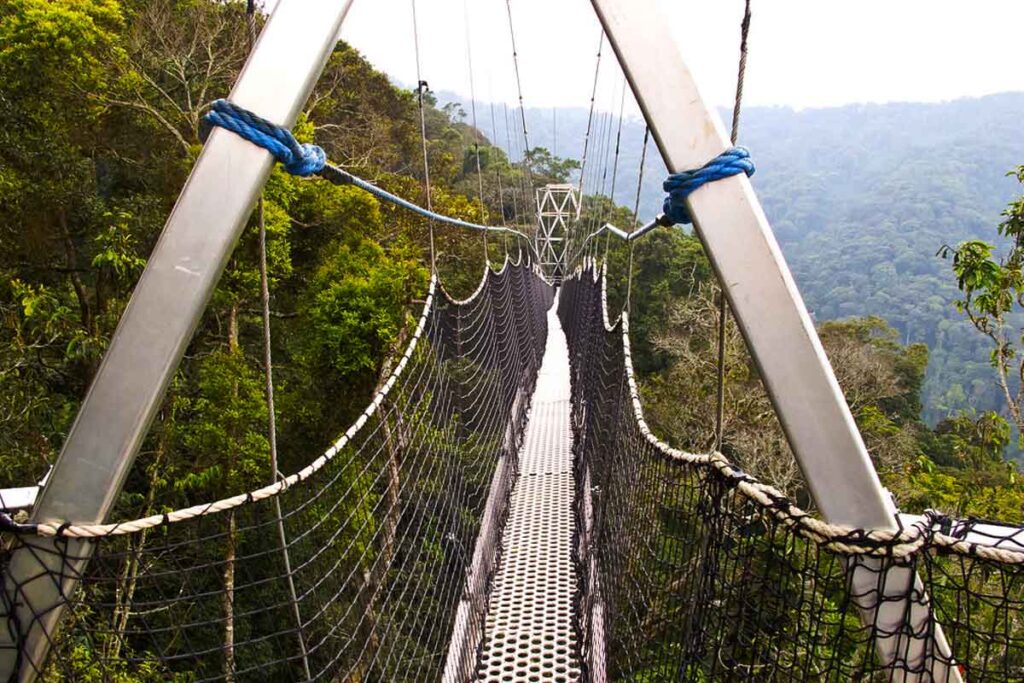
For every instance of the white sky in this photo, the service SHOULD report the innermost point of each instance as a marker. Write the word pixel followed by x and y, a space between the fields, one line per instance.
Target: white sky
pixel 803 53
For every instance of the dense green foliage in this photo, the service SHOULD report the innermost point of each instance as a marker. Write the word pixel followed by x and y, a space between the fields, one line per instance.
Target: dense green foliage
pixel 993 298
pixel 102 101
pixel 956 466
pixel 862 226
pixel 102 128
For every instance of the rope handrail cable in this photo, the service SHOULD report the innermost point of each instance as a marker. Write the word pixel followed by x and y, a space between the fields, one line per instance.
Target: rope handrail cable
pixel 898 543
pixel 71 530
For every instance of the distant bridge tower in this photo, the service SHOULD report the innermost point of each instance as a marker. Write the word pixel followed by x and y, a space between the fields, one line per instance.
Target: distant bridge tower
pixel 557 206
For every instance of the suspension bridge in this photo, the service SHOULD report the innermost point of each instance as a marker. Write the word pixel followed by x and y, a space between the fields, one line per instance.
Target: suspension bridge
pixel 500 511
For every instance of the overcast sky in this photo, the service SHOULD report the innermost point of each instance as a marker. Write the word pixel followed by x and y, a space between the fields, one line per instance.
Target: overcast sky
pixel 803 53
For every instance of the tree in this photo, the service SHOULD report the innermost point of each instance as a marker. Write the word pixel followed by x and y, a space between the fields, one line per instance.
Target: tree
pixel 992 289
pixel 546 168
pixel 66 251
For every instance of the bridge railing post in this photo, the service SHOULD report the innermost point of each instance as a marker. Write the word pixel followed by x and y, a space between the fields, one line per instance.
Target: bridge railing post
pixel 158 325
pixel 776 326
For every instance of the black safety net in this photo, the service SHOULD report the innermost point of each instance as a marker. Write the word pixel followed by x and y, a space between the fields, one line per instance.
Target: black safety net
pixel 692 571
pixel 352 570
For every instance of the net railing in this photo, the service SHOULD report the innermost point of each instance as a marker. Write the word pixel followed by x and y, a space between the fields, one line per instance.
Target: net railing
pixel 380 530
pixel 690 570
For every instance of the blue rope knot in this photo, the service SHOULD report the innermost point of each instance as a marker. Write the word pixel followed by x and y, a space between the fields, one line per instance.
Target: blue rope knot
pixel 679 186
pixel 298 159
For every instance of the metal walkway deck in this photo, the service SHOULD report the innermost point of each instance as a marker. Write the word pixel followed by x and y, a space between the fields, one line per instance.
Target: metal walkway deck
pixel 529 634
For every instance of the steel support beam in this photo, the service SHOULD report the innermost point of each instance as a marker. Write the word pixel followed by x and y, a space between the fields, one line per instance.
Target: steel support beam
pixel 772 318
pixel 159 322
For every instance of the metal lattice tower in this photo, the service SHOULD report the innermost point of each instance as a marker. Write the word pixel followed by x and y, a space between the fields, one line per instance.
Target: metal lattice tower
pixel 557 207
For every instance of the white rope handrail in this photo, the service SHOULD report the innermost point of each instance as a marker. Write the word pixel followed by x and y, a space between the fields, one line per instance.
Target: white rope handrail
pixel 892 543
pixel 203 509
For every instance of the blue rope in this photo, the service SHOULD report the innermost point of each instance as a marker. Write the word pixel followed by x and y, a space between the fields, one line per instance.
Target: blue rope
pixel 679 186
pixel 306 160
pixel 298 159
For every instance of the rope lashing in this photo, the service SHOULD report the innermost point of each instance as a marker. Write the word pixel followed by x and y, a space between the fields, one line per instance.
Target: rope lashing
pixel 679 186
pixel 297 158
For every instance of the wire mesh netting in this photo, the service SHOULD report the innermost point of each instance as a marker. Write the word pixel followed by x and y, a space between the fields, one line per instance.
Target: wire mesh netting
pixel 379 532
pixel 692 571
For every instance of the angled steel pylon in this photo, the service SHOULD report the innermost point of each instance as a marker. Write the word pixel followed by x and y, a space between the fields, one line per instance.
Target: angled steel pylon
pixel 157 326
pixel 557 206
pixel 778 331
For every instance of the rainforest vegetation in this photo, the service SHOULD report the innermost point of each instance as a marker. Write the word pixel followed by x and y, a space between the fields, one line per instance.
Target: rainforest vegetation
pixel 102 101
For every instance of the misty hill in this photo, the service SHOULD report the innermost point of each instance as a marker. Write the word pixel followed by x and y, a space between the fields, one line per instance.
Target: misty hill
pixel 861 197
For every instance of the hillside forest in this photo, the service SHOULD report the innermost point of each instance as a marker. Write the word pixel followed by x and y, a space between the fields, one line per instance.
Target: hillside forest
pixel 861 225
pixel 102 102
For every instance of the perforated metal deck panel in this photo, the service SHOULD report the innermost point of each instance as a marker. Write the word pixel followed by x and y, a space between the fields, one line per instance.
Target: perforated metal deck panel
pixel 529 633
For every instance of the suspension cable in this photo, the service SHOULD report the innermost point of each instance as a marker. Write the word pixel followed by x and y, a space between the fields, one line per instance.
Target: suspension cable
pixel 585 244
pixel 515 65
pixel 595 172
pixel 340 176
pixel 508 154
pixel 421 87
pixel 636 213
pixel 476 130
pixel 519 88
pixel 615 162
pixel 497 167
pixel 497 171
pixel 723 304
pixel 607 150
pixel 590 117
pixel 268 379
pixel 603 132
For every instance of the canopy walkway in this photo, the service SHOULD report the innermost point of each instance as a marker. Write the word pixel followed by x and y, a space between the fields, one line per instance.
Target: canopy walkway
pixel 500 511
pixel 530 631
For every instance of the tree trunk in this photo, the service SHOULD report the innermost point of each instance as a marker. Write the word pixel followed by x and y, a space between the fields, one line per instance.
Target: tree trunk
pixel 229 601
pixel 71 261
pixel 230 551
